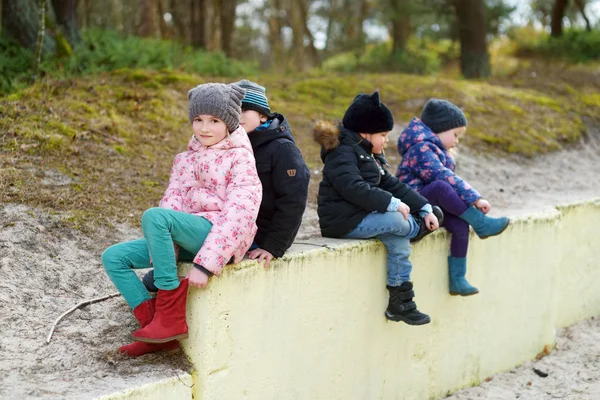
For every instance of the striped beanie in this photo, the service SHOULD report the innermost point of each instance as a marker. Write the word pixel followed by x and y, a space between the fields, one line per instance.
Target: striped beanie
pixel 255 98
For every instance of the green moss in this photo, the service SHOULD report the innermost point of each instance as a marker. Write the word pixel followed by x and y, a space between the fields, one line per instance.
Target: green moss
pixel 62 129
pixel 116 134
pixel 591 99
pixel 119 149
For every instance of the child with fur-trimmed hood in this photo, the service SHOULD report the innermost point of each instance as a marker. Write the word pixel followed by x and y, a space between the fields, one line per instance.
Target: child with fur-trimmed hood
pixel 359 198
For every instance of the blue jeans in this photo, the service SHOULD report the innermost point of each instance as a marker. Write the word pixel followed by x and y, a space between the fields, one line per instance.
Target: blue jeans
pixel 162 228
pixel 395 232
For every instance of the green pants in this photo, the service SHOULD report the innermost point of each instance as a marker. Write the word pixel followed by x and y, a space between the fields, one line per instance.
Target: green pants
pixel 161 228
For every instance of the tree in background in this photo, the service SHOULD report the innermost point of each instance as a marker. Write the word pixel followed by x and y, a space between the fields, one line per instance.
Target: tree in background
pixel 552 13
pixel 21 22
pixel 474 56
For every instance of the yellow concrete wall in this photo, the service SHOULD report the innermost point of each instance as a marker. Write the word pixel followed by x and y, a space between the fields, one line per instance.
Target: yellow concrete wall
pixel 578 281
pixel 312 326
pixel 177 388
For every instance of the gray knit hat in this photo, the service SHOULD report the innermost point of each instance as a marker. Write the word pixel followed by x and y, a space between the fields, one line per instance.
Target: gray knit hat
pixel 218 99
pixel 441 116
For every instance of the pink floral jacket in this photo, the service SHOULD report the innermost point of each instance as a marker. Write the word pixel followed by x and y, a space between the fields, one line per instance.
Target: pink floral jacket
pixel 219 183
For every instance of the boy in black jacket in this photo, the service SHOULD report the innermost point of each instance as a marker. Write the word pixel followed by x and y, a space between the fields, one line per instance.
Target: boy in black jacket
pixel 282 172
pixel 359 198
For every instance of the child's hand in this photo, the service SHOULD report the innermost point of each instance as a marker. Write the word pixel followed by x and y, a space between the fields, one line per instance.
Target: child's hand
pixel 197 278
pixel 262 255
pixel 483 205
pixel 404 209
pixel 431 222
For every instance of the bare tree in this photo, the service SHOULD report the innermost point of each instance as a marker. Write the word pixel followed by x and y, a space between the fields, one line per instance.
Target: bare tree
pixel 474 56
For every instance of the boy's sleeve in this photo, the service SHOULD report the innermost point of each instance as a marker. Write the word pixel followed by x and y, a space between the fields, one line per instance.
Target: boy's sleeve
pixel 173 197
pixel 402 191
pixel 290 177
pixel 235 225
pixel 341 167
pixel 429 169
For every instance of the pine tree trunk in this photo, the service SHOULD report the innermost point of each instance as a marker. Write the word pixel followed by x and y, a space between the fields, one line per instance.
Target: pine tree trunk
pixel 558 12
pixel 165 32
pixel 401 28
pixel 197 25
pixel 275 39
pixel 20 21
pixel 66 16
pixel 227 25
pixel 474 56
pixel 146 26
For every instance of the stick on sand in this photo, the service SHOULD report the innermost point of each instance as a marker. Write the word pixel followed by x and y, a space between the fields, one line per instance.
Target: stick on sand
pixel 70 310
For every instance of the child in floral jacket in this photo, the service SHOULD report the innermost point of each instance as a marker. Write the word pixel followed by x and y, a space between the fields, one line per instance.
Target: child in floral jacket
pixel 207 215
pixel 428 167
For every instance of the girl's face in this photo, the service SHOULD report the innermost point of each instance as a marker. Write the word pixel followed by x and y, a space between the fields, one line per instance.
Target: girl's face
pixel 450 138
pixel 378 140
pixel 251 120
pixel 209 130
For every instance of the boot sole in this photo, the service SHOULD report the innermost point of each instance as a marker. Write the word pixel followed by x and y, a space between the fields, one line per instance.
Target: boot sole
pixel 463 295
pixel 398 318
pixel 165 340
pixel 503 229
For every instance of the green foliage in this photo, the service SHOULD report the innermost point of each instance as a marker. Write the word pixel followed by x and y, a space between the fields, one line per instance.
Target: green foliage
pixel 15 65
pixel 574 45
pixel 421 56
pixel 103 51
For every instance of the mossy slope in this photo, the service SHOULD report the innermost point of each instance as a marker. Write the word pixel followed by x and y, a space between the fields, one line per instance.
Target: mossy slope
pixel 112 137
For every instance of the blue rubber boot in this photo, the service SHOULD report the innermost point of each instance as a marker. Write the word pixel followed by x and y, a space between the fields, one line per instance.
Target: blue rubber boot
pixel 457 268
pixel 483 225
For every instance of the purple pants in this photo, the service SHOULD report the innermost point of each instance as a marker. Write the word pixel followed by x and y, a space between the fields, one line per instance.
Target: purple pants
pixel 443 195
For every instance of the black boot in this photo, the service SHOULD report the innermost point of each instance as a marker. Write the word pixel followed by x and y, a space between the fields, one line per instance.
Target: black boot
pixel 423 229
pixel 402 308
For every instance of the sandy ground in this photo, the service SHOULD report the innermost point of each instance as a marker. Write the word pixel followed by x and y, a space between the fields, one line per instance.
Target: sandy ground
pixel 45 270
pixel 573 371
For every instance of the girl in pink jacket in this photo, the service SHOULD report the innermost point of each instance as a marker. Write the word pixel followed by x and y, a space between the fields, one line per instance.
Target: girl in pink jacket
pixel 207 215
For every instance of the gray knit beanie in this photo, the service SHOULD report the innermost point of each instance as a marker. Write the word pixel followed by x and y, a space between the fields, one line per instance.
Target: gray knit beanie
pixel 441 115
pixel 217 99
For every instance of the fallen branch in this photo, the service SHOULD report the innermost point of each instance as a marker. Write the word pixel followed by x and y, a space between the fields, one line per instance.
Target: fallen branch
pixel 82 304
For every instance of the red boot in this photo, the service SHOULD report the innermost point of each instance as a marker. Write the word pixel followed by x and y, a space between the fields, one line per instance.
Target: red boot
pixel 144 314
pixel 169 320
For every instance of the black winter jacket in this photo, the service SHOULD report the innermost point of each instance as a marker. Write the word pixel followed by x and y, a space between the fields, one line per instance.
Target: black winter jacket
pixel 284 177
pixel 355 182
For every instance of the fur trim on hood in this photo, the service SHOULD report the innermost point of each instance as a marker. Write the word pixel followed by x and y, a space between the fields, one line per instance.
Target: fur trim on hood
pixel 326 134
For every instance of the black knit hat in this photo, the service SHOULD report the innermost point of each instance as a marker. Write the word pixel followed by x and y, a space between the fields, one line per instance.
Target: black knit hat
pixel 367 114
pixel 441 115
